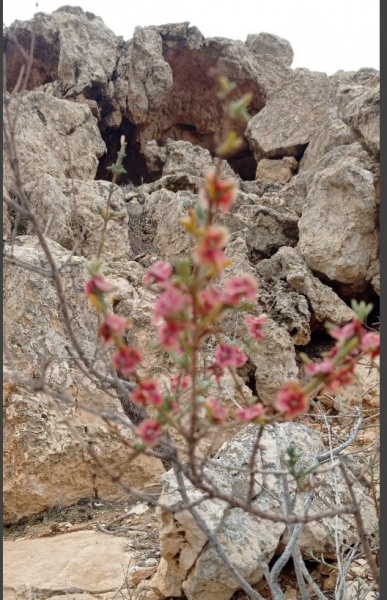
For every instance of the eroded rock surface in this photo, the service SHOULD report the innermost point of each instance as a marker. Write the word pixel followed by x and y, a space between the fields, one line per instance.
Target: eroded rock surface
pixel 189 563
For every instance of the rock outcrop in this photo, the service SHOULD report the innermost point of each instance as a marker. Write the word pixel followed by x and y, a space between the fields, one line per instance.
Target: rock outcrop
pixel 305 223
pixel 189 563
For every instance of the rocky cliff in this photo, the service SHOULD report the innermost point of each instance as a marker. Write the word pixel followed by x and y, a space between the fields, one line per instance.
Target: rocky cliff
pixel 305 222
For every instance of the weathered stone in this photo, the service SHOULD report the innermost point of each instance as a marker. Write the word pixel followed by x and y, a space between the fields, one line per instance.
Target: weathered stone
pixel 68 212
pixel 45 461
pixel 166 209
pixel 334 132
pixel 54 137
pixel 150 76
pixel 267 43
pixel 181 157
pixel 291 117
pixel 163 93
pixel 276 171
pixel 265 229
pixel 82 563
pixel 60 42
pixel 192 565
pixel 275 361
pixel 359 107
pixel 338 237
pixel 287 265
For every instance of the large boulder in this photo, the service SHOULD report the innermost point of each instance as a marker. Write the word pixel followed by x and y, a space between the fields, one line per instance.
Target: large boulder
pixel 274 361
pixel 191 566
pixel 52 136
pixel 267 43
pixel 46 462
pixel 68 212
pixel 338 227
pixel 73 50
pixel 288 281
pixel 291 117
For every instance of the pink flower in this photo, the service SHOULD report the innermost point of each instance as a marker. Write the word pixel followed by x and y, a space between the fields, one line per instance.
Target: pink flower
pixel 370 343
pixel 322 368
pixel 113 326
pixel 169 334
pixel 230 356
pixel 126 359
pixel 179 383
pixel 171 303
pixel 291 400
pixel 216 371
pixel 210 299
pixel 209 250
pixel 343 376
pixel 215 412
pixel 238 288
pixel 147 393
pixel 219 193
pixel 347 331
pixel 251 413
pixel 160 272
pixel 97 285
pixel 149 431
pixel 255 327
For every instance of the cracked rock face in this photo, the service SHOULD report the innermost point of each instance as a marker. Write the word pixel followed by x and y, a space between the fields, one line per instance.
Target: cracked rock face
pixel 305 221
pixel 189 563
pixel 338 236
pixel 55 137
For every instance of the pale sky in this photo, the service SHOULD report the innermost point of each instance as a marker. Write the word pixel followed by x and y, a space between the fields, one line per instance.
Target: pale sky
pixel 326 35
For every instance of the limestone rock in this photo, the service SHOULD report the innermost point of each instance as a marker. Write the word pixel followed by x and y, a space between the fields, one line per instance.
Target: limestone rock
pixel 181 157
pixel 265 229
pixel 292 115
pixel 188 563
pixel 338 237
pixel 45 461
pixel 68 213
pixel 73 49
pixel 167 66
pixel 334 132
pixel 275 361
pixel 276 171
pixel 166 209
pixel 359 107
pixel 149 74
pixel 191 565
pixel 288 266
pixel 54 137
pixel 267 43
pixel 86 563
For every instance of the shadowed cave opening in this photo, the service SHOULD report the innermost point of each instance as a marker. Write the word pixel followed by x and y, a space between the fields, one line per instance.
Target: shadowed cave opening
pixel 136 169
pixel 137 172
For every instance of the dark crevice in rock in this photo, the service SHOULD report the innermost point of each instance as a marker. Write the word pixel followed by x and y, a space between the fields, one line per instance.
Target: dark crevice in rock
pixel 244 164
pixel 247 373
pixel 296 151
pixel 349 291
pixel 134 162
pixel 320 342
pixel 44 65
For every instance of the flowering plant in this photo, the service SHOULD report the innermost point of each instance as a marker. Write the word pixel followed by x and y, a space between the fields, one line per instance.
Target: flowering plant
pixel 189 309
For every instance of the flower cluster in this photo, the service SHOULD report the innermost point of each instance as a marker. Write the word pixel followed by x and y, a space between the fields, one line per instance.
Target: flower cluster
pixel 190 308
